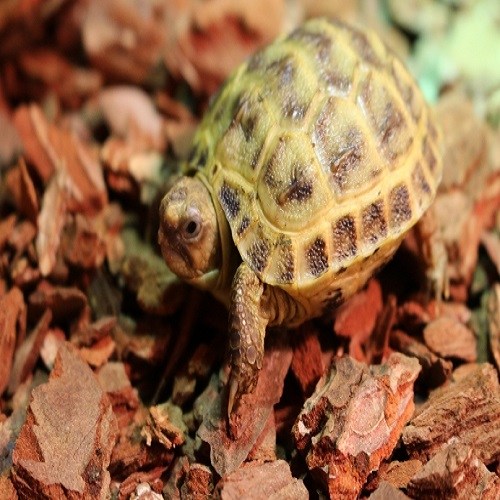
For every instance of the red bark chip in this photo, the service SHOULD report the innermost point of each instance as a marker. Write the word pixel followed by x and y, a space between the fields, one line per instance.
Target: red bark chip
pixel 467 410
pixel 353 420
pixel 307 361
pixel 12 331
pixel 455 472
pixel 358 316
pixel 449 338
pixel 28 352
pixel 494 323
pixel 262 481
pixel 65 445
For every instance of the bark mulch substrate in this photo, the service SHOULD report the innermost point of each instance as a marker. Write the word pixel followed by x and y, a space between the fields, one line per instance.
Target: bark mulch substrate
pixel 112 372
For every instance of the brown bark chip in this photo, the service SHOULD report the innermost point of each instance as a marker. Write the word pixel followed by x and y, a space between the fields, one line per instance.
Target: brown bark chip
pixel 450 338
pixel 28 352
pixel 198 484
pixel 398 474
pixel 435 370
pixel 6 227
pixel 51 221
pixel 494 323
pixel 64 302
pixel 386 491
pixel 52 149
pixel 353 420
pixel 12 329
pixel 262 481
pixel 358 316
pixel 455 473
pixel 467 410
pixel 22 190
pixel 7 489
pixel 65 445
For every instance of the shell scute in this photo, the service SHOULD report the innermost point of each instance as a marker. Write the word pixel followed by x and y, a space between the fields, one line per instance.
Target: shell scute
pixel 335 66
pixel 399 201
pixel 345 152
pixel 317 257
pixel 386 118
pixel 374 223
pixel 345 238
pixel 290 187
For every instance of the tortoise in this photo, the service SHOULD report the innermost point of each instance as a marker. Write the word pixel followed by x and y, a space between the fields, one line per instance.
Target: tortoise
pixel 311 164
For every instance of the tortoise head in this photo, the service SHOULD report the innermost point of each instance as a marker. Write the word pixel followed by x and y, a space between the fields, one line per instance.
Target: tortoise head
pixel 189 232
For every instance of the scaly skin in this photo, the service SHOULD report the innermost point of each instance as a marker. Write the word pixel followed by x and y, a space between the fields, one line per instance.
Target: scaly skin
pixel 254 306
pixel 247 328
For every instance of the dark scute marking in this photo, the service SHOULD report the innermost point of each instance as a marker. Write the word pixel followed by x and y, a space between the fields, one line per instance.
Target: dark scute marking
pixel 419 180
pixel 431 127
pixel 274 161
pixel 348 159
pixel 388 125
pixel 230 201
pixel 321 43
pixel 286 262
pixel 317 258
pixel 259 255
pixel 245 222
pixel 364 48
pixel 285 74
pixel 293 109
pixel 374 223
pixel 283 69
pixel 333 300
pixel 429 156
pixel 322 124
pixel 244 117
pixel 344 238
pixel 256 62
pixel 399 202
pixel 337 81
pixel 255 157
pixel 407 93
pixel 300 188
pixel 392 122
pixel 198 158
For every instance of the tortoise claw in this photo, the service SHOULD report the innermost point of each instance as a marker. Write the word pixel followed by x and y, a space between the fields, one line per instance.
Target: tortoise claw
pixel 233 390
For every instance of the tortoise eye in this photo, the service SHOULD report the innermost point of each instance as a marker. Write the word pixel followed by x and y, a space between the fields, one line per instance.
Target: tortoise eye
pixel 191 229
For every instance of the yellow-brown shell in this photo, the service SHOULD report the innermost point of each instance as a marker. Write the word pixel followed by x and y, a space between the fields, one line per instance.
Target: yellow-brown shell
pixel 321 151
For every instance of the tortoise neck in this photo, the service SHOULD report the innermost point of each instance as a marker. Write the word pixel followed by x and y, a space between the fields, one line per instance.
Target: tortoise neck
pixel 219 280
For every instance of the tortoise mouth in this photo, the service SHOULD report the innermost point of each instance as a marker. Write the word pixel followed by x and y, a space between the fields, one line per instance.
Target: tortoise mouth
pixel 175 252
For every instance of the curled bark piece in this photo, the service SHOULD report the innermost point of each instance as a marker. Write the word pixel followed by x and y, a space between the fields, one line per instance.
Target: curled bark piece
pixel 354 419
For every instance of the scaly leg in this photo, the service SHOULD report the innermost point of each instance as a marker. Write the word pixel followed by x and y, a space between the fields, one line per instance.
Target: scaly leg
pixel 247 329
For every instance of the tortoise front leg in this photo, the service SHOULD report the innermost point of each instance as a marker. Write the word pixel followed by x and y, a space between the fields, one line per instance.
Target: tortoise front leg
pixel 247 329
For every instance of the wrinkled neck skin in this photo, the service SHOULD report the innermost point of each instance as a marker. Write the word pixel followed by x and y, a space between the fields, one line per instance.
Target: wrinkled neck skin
pixel 219 281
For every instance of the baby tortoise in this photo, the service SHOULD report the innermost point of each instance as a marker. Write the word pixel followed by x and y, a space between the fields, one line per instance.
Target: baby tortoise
pixel 312 163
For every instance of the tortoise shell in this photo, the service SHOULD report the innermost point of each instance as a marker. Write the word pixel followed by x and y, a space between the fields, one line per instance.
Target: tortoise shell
pixel 322 153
